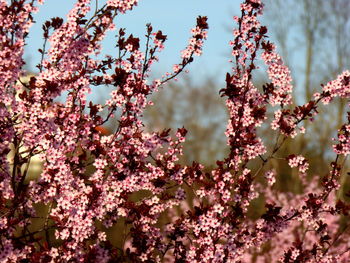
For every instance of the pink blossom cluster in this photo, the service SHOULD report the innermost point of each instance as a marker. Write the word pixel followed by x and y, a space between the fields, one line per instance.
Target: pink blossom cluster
pixel 343 146
pixel 270 176
pixel 245 103
pixel 279 75
pixel 336 88
pixel 131 179
pixel 304 235
pixel 340 87
pixel 298 161
pixel 196 41
pixel 122 5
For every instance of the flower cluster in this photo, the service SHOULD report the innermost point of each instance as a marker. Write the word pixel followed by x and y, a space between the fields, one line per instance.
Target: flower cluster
pixel 298 161
pixel 93 181
pixel 196 42
pixel 122 5
pixel 279 75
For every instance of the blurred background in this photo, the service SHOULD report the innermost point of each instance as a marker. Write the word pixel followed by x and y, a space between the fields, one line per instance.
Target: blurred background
pixel 311 35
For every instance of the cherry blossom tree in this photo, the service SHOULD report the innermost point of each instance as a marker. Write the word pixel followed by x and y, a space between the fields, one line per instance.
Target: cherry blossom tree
pixel 132 179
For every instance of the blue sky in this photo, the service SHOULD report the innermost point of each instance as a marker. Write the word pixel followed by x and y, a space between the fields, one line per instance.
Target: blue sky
pixel 174 18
